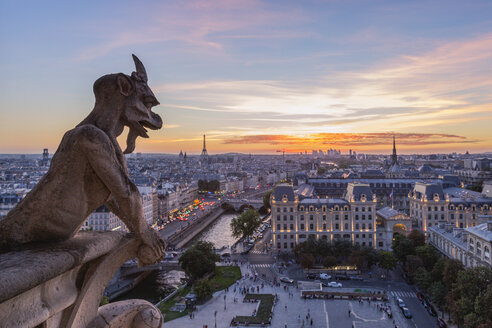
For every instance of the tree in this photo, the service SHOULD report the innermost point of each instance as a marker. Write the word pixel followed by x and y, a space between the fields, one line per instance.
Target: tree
pixel 450 272
pixel 202 185
pixel 213 185
pixel 423 278
pixel 306 261
pixel 198 260
pixel 356 258
pixel 437 270
pixel 417 238
pixel 428 255
pixel 245 224
pixel 388 261
pixel 203 290
pixel 412 263
pixel 437 293
pixel 371 256
pixel 402 247
pixel 469 285
pixel 329 261
pixel 266 199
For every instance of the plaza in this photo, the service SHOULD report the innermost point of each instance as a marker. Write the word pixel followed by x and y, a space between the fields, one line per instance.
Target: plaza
pixel 291 310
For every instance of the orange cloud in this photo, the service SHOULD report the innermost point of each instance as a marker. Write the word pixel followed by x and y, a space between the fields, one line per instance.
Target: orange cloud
pixel 344 140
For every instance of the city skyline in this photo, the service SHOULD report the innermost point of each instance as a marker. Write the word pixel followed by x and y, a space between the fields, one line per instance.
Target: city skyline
pixel 255 76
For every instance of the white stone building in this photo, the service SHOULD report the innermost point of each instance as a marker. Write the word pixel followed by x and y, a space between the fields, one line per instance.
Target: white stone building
pixel 471 246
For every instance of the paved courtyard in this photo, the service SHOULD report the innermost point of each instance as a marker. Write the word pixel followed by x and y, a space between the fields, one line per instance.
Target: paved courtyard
pixel 291 310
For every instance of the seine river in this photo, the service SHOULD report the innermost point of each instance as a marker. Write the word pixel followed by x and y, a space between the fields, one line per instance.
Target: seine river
pixel 219 232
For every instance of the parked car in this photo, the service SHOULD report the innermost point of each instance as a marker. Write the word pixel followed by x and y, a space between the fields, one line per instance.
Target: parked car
pixel 334 284
pixel 400 303
pixel 406 312
pixel 441 323
pixel 312 276
pixel 324 276
pixel 431 310
pixel 357 278
pixel 287 280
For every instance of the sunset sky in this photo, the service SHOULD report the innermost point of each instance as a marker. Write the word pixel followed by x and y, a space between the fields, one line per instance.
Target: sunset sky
pixel 256 76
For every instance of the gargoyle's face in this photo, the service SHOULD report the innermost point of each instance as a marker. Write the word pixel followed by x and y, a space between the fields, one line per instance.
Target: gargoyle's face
pixel 137 114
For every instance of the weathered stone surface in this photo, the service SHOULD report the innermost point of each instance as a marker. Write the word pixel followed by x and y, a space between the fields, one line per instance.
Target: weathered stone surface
pixel 26 268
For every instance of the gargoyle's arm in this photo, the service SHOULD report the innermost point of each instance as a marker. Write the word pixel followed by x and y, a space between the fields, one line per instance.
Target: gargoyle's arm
pixel 126 200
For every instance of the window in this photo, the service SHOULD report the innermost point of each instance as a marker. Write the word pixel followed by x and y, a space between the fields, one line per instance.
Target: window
pixel 363 216
pixel 369 217
pixel 311 217
pixel 302 236
pixel 336 217
pixel 311 226
pixel 285 209
pixel 324 226
pixel 346 216
pixel 302 226
pixel 363 226
pixel 278 226
pixel 346 226
pixel 337 226
pixel 278 245
pixel 357 209
pixel 292 217
pixel 285 245
pixel 357 216
pixel 278 217
pixel 363 209
pixel 370 226
pixel 291 245
pixel 291 226
pixel 324 217
pixel 285 226
pixel 292 209
pixel 302 217
pixel 356 226
pixel 285 217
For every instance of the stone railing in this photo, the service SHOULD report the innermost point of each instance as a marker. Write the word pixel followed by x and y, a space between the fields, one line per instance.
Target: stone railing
pixel 61 285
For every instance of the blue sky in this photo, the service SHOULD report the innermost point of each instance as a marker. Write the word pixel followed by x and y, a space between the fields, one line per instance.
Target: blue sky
pixel 257 76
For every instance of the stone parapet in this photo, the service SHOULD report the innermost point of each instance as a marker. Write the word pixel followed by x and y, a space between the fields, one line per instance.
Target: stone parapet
pixel 61 284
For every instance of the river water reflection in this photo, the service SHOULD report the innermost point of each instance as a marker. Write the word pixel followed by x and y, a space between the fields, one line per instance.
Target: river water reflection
pixel 219 232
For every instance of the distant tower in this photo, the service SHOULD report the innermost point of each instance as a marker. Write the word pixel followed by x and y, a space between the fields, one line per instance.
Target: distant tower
pixel 204 151
pixel 394 157
pixel 46 155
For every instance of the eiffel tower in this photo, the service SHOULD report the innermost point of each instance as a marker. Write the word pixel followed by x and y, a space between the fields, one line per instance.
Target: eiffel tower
pixel 204 151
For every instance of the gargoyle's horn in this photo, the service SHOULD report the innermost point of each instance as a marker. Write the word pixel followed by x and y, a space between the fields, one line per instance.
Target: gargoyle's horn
pixel 140 68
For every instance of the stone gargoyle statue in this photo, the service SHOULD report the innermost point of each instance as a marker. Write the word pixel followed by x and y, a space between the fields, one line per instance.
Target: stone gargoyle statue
pixel 89 169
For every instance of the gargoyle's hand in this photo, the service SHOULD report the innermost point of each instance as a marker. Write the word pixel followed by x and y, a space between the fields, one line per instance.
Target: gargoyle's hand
pixel 152 249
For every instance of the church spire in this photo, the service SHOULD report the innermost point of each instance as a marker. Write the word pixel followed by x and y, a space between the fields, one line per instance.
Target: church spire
pixel 394 157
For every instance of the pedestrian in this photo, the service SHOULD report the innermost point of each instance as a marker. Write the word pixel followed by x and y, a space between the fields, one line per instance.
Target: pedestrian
pixel 285 307
pixel 311 321
pixel 349 312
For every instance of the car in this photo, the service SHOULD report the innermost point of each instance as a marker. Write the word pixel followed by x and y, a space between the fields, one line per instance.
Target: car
pixel 400 303
pixel 324 276
pixel 441 323
pixel 357 278
pixel 431 310
pixel 334 284
pixel 287 280
pixel 312 276
pixel 406 312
